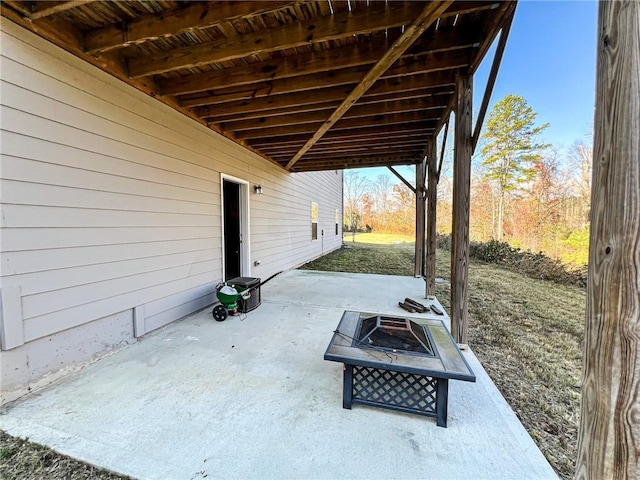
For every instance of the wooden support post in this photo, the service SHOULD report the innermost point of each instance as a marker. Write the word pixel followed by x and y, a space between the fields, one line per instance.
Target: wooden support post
pixel 609 434
pixel 461 193
pixel 420 219
pixel 432 196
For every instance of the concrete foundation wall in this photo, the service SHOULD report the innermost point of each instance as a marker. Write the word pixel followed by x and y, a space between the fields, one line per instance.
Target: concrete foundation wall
pixel 111 203
pixel 46 359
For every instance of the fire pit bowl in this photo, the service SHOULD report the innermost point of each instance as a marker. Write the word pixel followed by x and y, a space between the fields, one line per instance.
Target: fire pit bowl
pixel 397 363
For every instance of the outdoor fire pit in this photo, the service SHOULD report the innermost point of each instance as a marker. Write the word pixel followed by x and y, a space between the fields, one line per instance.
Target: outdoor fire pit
pixel 397 363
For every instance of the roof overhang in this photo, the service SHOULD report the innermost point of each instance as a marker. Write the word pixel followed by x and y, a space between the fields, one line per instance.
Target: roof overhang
pixel 308 85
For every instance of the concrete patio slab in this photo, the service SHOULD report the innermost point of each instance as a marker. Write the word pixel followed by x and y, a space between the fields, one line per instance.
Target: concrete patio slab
pixel 252 397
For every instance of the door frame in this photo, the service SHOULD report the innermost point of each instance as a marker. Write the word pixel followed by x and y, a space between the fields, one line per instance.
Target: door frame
pixel 245 246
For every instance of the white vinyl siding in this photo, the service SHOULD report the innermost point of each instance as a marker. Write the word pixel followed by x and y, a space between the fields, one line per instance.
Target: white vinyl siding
pixel 111 200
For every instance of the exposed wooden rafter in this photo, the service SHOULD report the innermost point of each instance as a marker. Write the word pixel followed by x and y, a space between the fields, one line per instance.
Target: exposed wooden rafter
pixel 347 84
pixel 314 63
pixel 308 87
pixel 45 9
pixel 380 16
pixel 358 111
pixel 431 12
pixel 303 101
pixel 182 19
pixel 345 124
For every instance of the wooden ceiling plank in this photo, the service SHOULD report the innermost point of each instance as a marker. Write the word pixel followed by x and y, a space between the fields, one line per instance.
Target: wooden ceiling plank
pixel 349 143
pixel 379 16
pixel 369 110
pixel 306 102
pixel 439 79
pixel 344 127
pixel 362 55
pixel 346 147
pixel 431 12
pixel 340 136
pixel 347 124
pixel 306 125
pixel 443 41
pixel 173 22
pixel 463 8
pixel 397 150
pixel 204 112
pixel 368 161
pixel 45 9
pixel 362 149
pixel 305 64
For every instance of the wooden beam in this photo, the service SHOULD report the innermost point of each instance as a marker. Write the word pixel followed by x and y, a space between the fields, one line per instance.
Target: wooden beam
pixel 205 112
pixel 304 64
pixel 437 104
pixel 461 193
pixel 414 151
pixel 491 81
pixel 361 148
pixel 405 76
pixel 488 35
pixel 349 135
pixel 370 161
pixel 402 179
pixel 431 12
pixel 21 6
pixel 432 199
pixel 444 146
pixel 427 116
pixel 418 268
pixel 173 22
pixel 359 55
pixel 379 16
pixel 304 101
pixel 609 432
pixel 391 141
pixel 490 31
pixel 45 9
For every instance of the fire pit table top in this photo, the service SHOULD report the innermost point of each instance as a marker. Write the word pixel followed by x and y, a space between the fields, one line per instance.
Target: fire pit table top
pixel 442 360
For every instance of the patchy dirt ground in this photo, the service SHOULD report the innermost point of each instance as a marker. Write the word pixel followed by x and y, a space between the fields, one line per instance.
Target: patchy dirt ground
pixel 527 333
pixel 23 460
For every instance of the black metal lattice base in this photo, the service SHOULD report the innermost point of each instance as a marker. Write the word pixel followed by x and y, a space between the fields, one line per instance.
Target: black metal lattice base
pixel 413 392
pixel 400 391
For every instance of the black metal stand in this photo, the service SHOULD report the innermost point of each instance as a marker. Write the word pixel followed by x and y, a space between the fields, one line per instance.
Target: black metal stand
pixel 404 392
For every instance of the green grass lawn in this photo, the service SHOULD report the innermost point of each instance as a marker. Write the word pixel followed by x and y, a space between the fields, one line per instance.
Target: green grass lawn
pixel 527 333
pixel 379 238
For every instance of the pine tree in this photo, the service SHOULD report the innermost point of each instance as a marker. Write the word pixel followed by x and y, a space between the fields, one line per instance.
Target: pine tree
pixel 510 152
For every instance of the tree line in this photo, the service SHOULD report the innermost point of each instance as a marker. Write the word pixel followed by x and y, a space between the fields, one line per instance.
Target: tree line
pixel 523 191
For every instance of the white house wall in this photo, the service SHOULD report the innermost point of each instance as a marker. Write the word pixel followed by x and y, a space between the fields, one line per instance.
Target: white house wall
pixel 111 211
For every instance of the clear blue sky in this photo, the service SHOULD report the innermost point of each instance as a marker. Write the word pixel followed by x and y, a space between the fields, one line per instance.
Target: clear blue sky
pixel 550 61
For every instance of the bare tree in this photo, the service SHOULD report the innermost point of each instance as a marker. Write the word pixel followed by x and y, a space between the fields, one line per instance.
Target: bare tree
pixel 581 161
pixel 355 187
pixel 381 195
